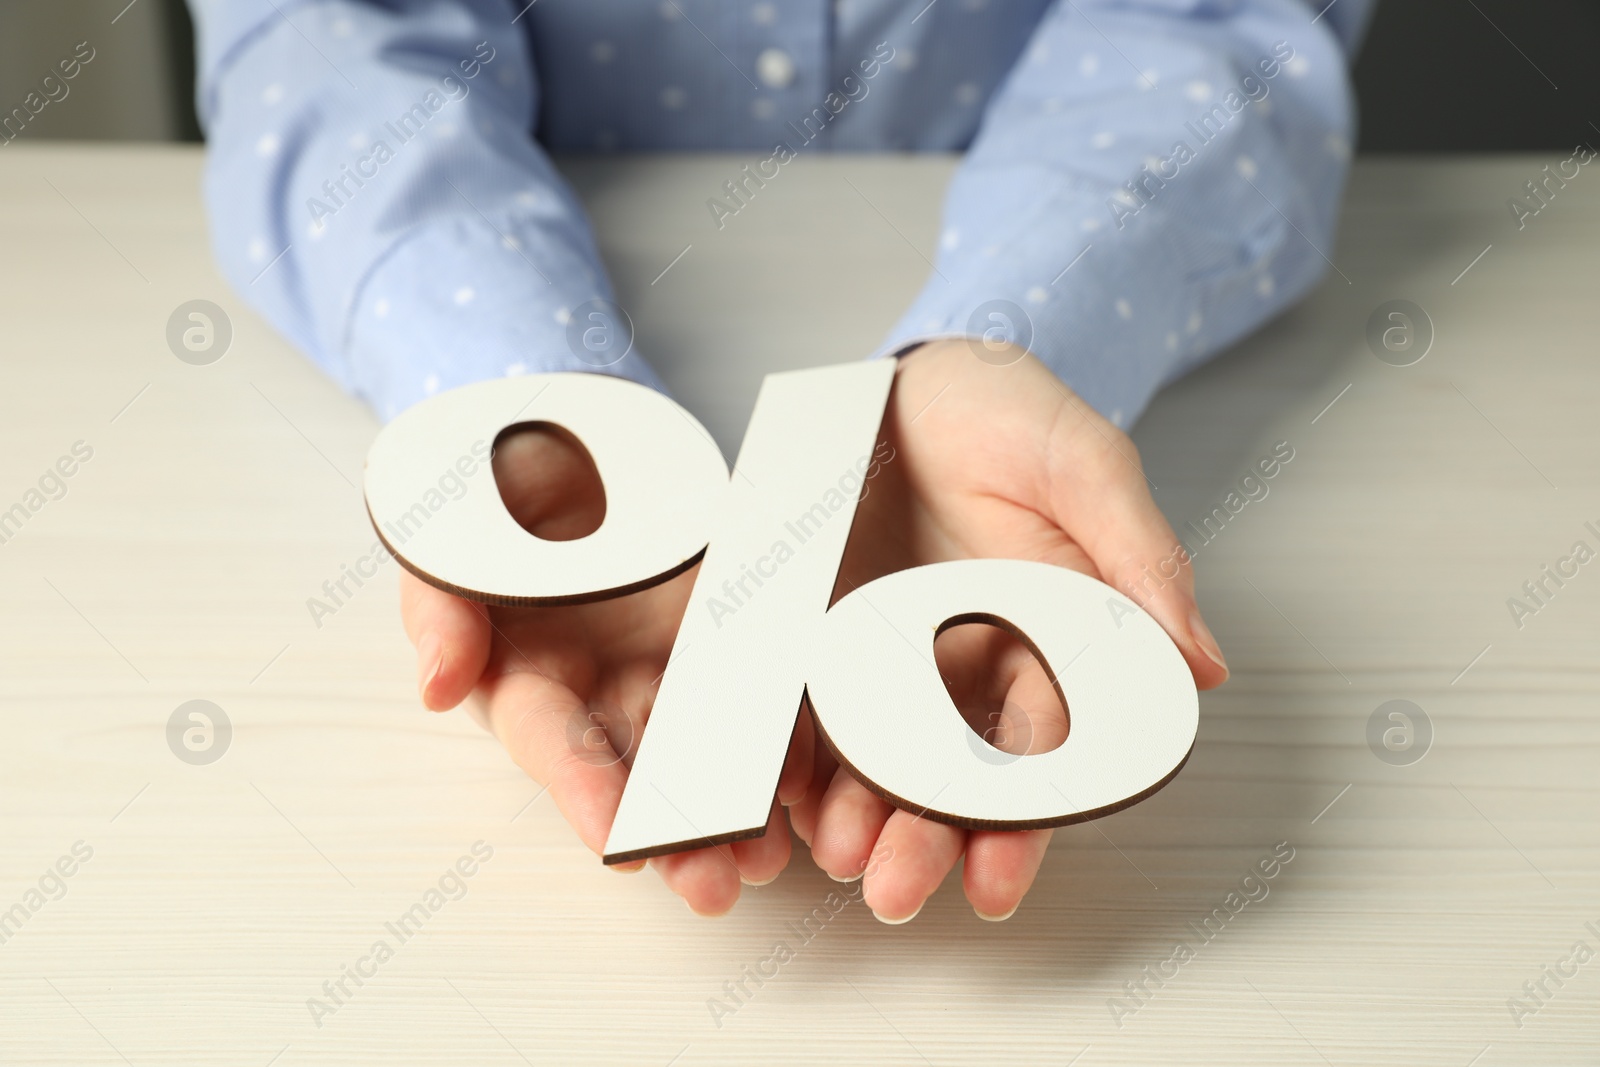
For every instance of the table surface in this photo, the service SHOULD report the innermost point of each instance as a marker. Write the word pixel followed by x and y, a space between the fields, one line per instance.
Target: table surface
pixel 218 899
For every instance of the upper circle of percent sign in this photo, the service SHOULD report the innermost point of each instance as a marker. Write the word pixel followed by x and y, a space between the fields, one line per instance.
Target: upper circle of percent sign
pixel 758 636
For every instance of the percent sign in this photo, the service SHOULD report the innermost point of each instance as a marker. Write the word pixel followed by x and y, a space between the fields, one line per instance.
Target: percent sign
pixel 707 767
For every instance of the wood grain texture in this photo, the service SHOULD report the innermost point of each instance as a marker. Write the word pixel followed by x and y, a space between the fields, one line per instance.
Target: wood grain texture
pixel 219 499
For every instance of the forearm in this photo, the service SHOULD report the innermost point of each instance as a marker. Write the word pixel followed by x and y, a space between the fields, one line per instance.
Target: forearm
pixel 375 192
pixel 1147 187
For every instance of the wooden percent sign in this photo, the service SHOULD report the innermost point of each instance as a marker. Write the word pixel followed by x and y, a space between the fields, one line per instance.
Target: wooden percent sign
pixel 706 770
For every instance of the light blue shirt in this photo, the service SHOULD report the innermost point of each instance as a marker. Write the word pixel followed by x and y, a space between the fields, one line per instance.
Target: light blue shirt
pixel 1145 181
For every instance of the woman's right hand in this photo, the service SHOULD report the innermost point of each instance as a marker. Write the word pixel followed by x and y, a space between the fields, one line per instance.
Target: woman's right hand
pixel 568 690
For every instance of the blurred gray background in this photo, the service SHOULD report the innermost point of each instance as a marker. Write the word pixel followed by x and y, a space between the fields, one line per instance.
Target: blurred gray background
pixel 1435 75
pixel 138 87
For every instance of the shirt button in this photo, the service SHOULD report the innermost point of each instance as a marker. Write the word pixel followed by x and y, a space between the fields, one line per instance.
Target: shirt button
pixel 775 68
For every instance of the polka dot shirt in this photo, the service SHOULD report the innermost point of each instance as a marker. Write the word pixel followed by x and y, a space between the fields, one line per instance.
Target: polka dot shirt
pixel 1143 183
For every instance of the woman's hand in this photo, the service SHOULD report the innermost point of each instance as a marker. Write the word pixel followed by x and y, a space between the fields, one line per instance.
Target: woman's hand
pixel 568 690
pixel 1003 462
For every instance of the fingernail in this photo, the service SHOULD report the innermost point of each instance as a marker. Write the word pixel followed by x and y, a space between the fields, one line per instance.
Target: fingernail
pixel 629 868
pixel 707 914
pixel 898 922
pixel 1203 638
pixel 767 881
pixel 995 918
pixel 430 661
pixel 852 878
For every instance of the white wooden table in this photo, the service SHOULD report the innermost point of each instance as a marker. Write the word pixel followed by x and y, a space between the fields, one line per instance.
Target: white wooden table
pixel 219 898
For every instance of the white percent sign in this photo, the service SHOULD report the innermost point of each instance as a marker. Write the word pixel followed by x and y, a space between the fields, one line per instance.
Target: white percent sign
pixel 707 767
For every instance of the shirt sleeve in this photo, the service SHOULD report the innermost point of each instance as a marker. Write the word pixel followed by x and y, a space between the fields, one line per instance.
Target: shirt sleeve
pixel 374 191
pixel 1153 180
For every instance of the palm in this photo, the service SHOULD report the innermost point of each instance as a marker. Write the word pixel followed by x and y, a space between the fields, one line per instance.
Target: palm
pixel 590 667
pixel 989 462
pixel 600 661
pixel 963 484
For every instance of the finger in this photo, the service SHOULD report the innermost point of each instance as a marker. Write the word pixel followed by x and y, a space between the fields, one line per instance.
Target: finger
pixel 798 764
pixel 804 813
pixel 848 825
pixel 706 879
pixel 549 734
pixel 1002 691
pixel 920 852
pixel 970 658
pixel 1033 718
pixel 549 482
pixel 452 640
pixel 1099 495
pixel 762 859
pixel 1000 869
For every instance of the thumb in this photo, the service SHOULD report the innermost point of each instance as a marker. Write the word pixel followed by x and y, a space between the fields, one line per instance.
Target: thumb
pixel 1099 496
pixel 452 638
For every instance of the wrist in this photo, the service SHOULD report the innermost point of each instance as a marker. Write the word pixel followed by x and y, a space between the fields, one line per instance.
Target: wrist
pixel 953 351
